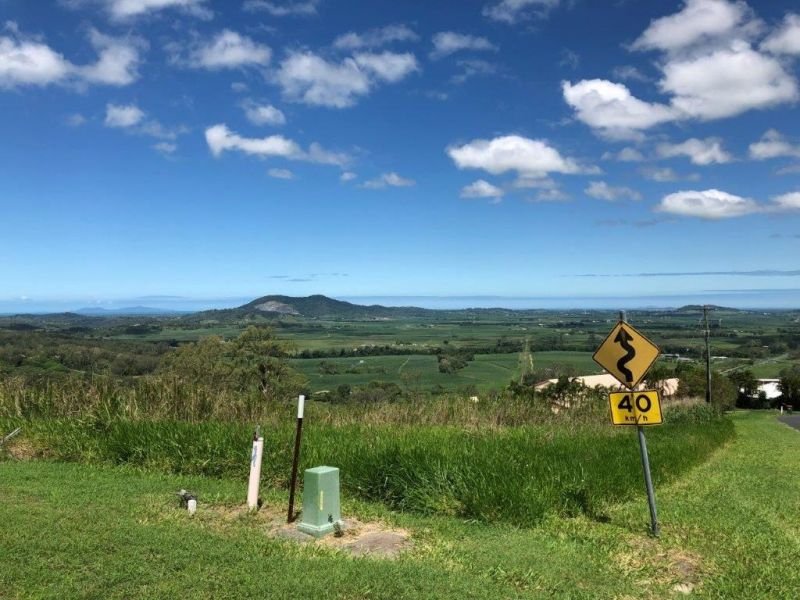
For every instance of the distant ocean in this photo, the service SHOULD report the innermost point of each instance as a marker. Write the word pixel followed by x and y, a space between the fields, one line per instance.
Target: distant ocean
pixel 748 299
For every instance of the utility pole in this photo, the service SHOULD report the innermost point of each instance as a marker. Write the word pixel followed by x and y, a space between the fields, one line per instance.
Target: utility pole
pixel 708 354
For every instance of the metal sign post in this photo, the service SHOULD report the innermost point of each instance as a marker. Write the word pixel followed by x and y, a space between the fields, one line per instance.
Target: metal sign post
pixel 628 355
pixel 296 460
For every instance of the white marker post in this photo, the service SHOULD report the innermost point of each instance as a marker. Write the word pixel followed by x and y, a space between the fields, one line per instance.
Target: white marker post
pixel 255 471
pixel 295 462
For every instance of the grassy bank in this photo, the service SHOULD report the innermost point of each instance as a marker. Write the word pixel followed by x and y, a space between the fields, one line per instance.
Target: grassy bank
pixel 729 530
pixel 490 473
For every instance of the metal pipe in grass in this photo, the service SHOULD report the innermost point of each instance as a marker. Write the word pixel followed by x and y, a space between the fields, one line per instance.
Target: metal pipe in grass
pixel 295 461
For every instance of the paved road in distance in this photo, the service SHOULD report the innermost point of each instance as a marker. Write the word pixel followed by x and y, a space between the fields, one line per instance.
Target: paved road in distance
pixel 791 420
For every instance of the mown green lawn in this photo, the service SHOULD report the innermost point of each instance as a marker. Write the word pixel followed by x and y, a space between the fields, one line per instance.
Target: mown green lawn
pixel 730 529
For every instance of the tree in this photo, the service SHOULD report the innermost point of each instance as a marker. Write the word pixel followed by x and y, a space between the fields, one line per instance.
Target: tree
pixel 789 385
pixel 254 361
pixel 747 389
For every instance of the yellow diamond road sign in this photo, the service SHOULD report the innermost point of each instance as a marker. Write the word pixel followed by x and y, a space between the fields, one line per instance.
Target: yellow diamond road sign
pixel 636 408
pixel 626 354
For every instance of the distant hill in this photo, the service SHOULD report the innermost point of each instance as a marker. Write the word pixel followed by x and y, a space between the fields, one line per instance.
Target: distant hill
pixel 693 308
pixel 316 306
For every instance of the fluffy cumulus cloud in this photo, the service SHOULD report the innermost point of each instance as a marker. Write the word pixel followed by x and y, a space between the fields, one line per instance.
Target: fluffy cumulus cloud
pixel 602 191
pixel 710 69
pixel 221 139
pixel 127 10
pixel 715 204
pixel 786 40
pixel 699 21
pixel 308 78
pixel 700 152
pixel 227 50
pixel 263 114
pixel 727 82
pixel 25 61
pixel 449 42
pixel 773 145
pixel 612 110
pixel 303 8
pixel 122 116
pixel 133 119
pixel 347 176
pixel 514 11
pixel 481 189
pixel 388 180
pixel 375 38
pixel 528 158
pixel 707 204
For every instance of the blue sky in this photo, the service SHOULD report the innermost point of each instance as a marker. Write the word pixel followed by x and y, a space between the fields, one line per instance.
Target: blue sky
pixel 211 150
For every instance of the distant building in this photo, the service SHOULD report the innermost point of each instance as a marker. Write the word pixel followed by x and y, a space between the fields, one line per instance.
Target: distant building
pixel 668 387
pixel 770 387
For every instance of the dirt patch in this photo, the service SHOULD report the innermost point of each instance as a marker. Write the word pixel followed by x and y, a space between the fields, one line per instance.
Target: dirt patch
pixel 653 564
pixel 20 449
pixel 371 539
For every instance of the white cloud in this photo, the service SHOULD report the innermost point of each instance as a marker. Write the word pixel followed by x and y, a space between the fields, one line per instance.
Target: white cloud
pixel 448 42
pixel 530 158
pixel 785 202
pixel 347 176
pixel 700 152
pixel 280 174
pixel 785 40
pixel 481 189
pixel 283 9
pixel 228 50
pixel 773 145
pixel 132 119
pixel 25 61
pixel 374 38
pixel 123 116
pixel 263 114
pixel 388 180
pixel 126 10
pixel 727 82
pixel 389 66
pixel 221 139
pixel 708 204
pixel 513 11
pixel 602 191
pixel 308 78
pixel 710 70
pixel 117 60
pixel 627 154
pixel 698 22
pixel 611 109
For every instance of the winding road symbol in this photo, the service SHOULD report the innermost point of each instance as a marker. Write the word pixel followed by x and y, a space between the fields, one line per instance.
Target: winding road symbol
pixel 624 339
pixel 626 354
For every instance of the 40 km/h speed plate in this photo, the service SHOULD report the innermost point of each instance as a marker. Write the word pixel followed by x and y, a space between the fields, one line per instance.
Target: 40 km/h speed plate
pixel 626 354
pixel 636 408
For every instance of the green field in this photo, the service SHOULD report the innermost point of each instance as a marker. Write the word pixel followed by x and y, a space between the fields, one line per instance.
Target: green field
pixel 729 530
pixel 487 371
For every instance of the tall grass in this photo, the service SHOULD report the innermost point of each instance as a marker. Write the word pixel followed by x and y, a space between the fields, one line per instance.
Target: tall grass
pixel 487 470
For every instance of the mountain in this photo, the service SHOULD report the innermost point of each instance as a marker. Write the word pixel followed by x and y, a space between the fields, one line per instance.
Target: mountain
pixel 316 307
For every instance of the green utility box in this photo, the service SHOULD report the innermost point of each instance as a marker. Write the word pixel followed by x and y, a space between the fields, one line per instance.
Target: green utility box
pixel 320 501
